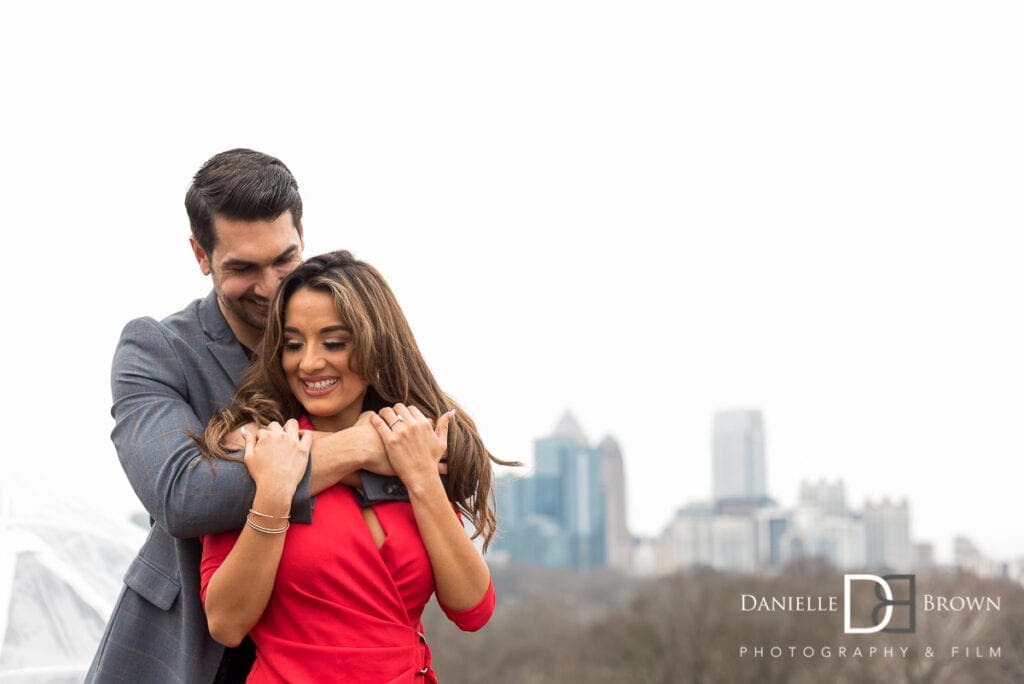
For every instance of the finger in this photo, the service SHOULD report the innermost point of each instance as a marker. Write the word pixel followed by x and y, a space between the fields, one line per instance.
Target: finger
pixel 443 423
pixel 364 417
pixel 392 417
pixel 305 440
pixel 291 426
pixel 380 426
pixel 417 414
pixel 250 443
pixel 403 410
pixel 405 415
pixel 275 426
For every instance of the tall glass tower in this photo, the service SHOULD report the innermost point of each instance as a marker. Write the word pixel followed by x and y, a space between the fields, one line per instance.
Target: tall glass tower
pixel 571 511
pixel 738 467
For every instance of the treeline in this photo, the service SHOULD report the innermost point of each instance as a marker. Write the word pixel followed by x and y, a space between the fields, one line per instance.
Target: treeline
pixel 558 626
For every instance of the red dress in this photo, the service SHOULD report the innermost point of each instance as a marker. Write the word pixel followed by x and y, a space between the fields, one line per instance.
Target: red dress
pixel 342 609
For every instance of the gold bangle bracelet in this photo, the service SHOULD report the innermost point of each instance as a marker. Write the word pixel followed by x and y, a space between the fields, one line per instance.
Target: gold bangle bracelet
pixel 267 530
pixel 272 517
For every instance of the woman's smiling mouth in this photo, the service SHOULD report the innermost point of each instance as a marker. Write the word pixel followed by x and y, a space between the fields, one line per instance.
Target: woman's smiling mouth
pixel 318 386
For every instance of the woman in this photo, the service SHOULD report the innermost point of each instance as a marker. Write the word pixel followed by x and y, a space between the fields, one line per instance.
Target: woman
pixel 341 598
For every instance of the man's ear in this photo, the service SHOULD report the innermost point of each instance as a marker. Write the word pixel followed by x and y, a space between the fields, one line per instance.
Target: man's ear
pixel 201 258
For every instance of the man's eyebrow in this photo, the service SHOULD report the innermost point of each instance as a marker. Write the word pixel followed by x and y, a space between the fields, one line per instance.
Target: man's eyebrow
pixel 287 254
pixel 242 263
pixel 322 331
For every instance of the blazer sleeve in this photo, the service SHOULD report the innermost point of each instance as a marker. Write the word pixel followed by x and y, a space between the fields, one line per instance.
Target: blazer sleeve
pixel 183 492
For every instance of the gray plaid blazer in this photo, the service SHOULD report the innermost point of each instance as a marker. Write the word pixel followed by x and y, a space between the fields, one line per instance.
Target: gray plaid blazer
pixel 167 380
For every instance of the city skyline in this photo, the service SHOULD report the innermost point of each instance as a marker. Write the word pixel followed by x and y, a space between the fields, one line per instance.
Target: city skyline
pixel 738 441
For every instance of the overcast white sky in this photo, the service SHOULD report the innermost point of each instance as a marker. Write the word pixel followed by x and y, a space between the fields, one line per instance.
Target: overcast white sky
pixel 644 212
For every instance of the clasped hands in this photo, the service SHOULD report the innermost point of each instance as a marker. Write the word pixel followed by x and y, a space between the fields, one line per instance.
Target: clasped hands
pixel 414 447
pixel 397 440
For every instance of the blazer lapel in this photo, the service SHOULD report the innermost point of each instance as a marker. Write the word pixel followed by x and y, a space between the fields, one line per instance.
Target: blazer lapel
pixel 223 345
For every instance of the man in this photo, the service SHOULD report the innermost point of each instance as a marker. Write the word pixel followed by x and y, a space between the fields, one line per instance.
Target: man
pixel 167 379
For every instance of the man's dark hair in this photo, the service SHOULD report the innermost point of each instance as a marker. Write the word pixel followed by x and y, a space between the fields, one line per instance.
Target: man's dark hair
pixel 243 185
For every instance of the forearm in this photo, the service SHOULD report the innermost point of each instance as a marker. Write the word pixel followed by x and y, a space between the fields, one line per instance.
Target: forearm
pixel 240 588
pixel 155 408
pixel 189 496
pixel 461 576
pixel 335 457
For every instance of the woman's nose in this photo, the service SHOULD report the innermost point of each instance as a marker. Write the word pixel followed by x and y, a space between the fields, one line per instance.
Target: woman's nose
pixel 311 360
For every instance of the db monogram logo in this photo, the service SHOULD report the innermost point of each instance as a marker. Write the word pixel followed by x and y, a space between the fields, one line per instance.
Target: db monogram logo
pixel 882 613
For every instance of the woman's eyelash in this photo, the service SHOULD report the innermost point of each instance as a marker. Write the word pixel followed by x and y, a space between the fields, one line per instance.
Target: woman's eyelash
pixel 292 346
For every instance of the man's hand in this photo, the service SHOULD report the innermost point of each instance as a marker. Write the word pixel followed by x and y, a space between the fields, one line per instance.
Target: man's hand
pixel 235 440
pixel 376 458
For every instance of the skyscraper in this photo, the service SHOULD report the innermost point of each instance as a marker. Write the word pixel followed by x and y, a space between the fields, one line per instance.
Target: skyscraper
pixel 887 533
pixel 569 476
pixel 738 464
pixel 618 542
pixel 572 510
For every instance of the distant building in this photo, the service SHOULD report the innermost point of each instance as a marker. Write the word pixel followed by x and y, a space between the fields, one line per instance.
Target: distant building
pixel 771 526
pixel 699 535
pixel 821 526
pixel 571 511
pixel 1014 570
pixel 887 535
pixel 828 497
pixel 618 541
pixel 738 460
pixel 811 533
pixel 967 557
pixel 687 540
pixel 735 543
pixel 923 555
pixel 965 554
pixel 731 532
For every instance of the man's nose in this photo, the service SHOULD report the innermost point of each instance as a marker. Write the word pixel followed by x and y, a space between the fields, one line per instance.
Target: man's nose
pixel 267 283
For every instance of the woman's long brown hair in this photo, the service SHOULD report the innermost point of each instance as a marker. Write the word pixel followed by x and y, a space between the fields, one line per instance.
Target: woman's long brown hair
pixel 385 354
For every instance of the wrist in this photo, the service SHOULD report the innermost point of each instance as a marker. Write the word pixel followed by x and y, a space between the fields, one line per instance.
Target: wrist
pixel 266 523
pixel 273 500
pixel 428 485
pixel 340 451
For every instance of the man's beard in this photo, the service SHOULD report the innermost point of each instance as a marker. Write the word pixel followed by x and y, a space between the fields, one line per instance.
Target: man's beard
pixel 243 309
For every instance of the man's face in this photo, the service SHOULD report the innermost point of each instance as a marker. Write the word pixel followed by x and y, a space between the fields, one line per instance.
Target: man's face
pixel 248 260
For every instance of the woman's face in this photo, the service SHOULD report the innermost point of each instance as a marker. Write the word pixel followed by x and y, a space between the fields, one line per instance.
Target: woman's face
pixel 315 358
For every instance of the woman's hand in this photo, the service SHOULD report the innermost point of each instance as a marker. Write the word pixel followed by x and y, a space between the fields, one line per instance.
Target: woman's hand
pixel 277 456
pixel 414 446
pixel 239 590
